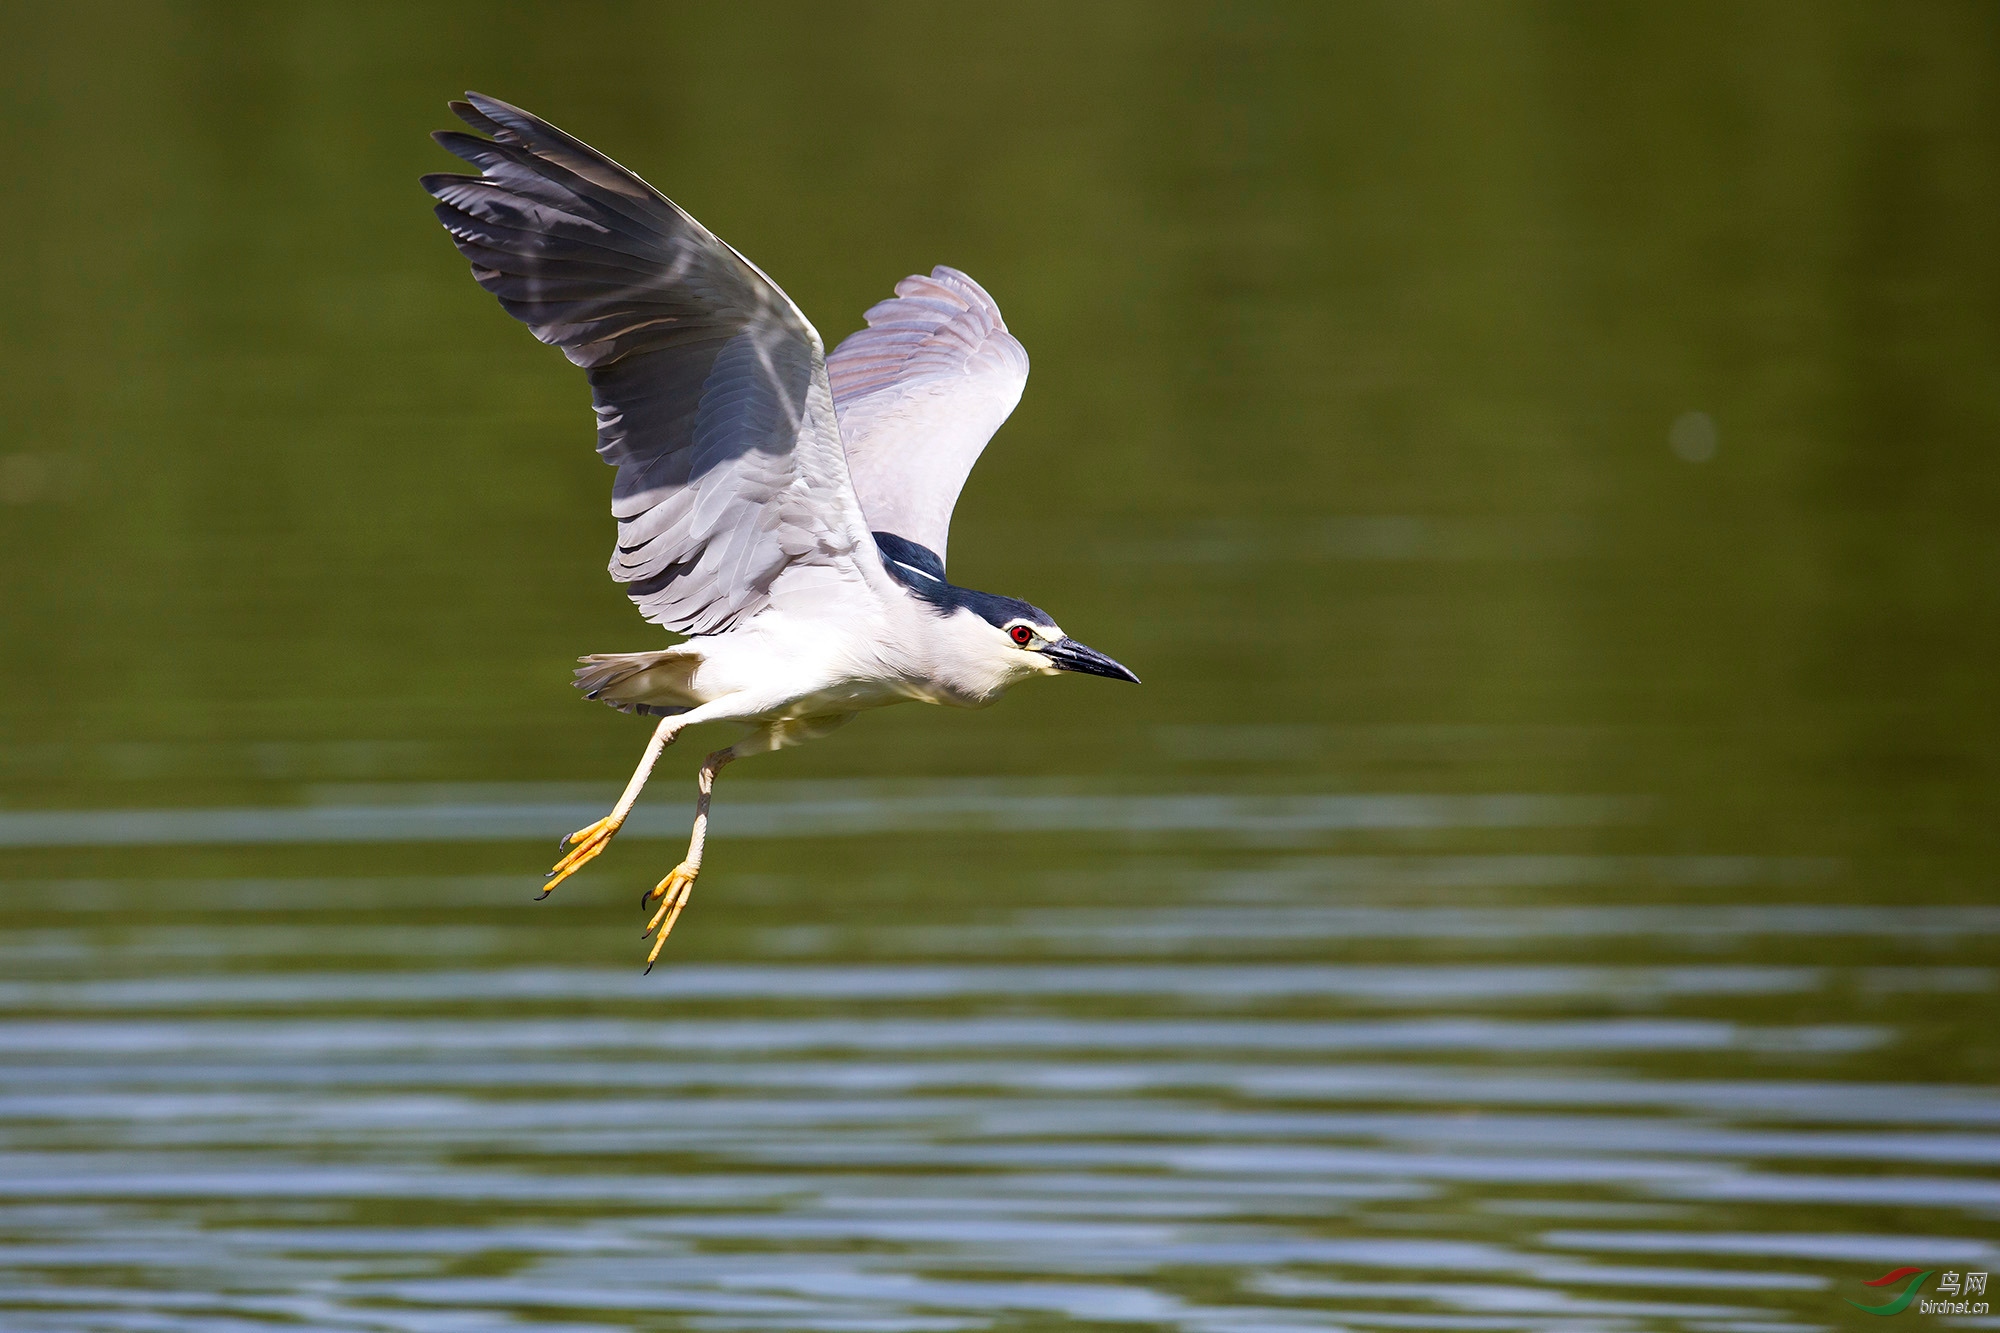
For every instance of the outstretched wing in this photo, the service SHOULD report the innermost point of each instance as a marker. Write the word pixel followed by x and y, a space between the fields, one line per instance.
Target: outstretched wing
pixel 710 387
pixel 919 392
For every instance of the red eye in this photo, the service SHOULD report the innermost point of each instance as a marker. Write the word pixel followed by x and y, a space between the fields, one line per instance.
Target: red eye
pixel 1021 634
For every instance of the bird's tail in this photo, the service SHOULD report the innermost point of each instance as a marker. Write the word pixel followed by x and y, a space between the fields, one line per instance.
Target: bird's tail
pixel 659 683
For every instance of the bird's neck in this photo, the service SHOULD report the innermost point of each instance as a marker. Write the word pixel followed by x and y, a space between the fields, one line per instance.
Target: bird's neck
pixel 921 572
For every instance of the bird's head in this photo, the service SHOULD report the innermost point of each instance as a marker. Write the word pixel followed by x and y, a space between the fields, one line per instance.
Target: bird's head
pixel 1030 642
pixel 996 641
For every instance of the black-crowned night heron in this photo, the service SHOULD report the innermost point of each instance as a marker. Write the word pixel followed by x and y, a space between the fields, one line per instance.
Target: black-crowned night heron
pixel 783 509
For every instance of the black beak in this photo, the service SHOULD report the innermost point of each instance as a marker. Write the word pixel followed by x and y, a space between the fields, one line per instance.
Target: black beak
pixel 1070 655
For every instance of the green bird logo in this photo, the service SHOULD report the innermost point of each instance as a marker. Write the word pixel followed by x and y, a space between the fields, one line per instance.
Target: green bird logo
pixel 1902 1302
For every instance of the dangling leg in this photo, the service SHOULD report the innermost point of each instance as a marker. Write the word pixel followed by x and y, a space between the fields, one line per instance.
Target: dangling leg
pixel 673 891
pixel 588 842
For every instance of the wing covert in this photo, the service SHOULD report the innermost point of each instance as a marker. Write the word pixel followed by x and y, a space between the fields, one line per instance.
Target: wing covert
pixel 709 385
pixel 919 392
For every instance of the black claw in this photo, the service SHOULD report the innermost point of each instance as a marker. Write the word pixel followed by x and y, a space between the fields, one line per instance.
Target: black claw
pixel 648 972
pixel 543 894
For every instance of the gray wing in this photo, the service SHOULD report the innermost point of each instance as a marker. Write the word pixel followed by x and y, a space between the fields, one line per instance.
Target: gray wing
pixel 710 387
pixel 919 392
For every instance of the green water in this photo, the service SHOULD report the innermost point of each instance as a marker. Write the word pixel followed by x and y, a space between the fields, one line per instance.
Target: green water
pixel 1540 458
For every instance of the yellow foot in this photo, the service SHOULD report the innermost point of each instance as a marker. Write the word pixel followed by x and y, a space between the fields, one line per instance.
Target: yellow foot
pixel 673 894
pixel 584 844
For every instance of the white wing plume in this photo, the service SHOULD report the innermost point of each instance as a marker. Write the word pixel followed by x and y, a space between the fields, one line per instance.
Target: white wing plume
pixel 919 392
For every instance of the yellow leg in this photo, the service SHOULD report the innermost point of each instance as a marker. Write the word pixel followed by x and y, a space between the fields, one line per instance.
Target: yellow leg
pixel 673 891
pixel 587 842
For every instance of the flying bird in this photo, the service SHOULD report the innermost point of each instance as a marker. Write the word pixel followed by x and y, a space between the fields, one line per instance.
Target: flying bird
pixel 784 510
